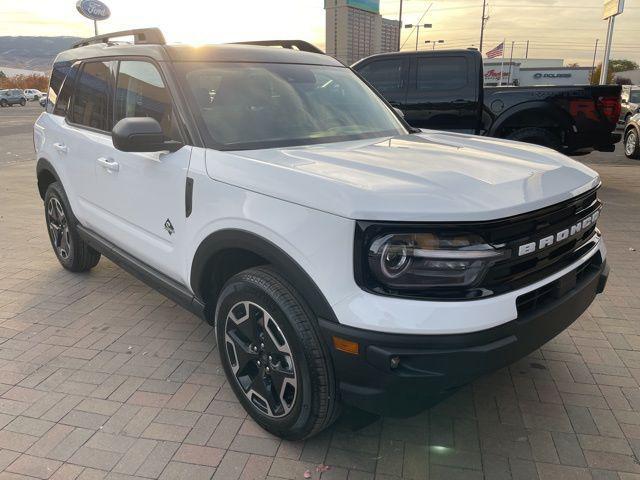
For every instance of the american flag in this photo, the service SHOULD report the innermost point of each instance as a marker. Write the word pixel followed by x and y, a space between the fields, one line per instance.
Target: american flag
pixel 496 52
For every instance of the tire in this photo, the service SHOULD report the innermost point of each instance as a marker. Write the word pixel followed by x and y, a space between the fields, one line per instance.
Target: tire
pixel 286 341
pixel 4 103
pixel 36 98
pixel 72 252
pixel 23 102
pixel 537 136
pixel 632 144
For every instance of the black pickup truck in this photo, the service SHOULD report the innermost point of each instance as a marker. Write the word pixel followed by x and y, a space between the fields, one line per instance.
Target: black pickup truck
pixel 444 90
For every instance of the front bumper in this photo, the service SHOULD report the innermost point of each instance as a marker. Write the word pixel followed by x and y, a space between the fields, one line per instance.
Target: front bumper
pixel 431 366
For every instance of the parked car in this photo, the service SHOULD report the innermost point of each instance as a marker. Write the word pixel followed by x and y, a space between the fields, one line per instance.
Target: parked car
pixel 444 90
pixel 43 100
pixel 32 94
pixel 630 101
pixel 341 255
pixel 632 137
pixel 12 96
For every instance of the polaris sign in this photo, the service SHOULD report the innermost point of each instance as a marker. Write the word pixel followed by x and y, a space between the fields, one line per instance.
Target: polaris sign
pixel 93 9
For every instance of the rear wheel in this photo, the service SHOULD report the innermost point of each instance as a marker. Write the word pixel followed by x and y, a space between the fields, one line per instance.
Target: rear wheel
pixel 273 356
pixel 23 102
pixel 537 136
pixel 72 252
pixel 632 144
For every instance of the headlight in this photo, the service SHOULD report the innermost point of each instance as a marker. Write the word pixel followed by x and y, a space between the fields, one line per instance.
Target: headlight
pixel 422 261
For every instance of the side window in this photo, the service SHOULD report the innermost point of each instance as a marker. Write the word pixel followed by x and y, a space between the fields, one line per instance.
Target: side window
pixel 58 75
pixel 90 104
pixel 61 104
pixel 385 75
pixel 442 73
pixel 140 92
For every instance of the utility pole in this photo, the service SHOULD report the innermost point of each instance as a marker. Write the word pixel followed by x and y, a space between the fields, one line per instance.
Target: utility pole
pixel 484 21
pixel 526 54
pixel 607 51
pixel 510 63
pixel 593 66
pixel 399 25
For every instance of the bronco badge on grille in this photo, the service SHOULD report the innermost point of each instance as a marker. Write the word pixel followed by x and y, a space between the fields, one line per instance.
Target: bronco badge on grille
pixel 568 232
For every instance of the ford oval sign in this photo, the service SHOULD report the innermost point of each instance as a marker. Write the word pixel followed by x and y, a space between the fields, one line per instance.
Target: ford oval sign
pixel 93 9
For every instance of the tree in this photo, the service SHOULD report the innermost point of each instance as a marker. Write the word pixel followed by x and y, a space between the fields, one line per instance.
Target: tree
pixel 2 74
pixel 573 65
pixel 594 79
pixel 622 65
pixel 623 81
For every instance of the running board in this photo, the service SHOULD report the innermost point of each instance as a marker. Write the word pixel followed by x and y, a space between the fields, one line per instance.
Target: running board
pixel 150 276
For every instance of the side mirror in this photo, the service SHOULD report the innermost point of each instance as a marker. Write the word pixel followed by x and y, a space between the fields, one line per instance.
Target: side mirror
pixel 399 112
pixel 141 134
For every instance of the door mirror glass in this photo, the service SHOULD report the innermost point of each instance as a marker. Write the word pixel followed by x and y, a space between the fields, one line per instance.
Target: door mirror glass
pixel 141 134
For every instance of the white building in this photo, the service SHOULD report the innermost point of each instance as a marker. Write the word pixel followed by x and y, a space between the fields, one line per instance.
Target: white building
pixel 533 71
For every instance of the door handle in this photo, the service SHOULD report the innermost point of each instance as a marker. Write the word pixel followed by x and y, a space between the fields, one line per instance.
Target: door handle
pixel 109 164
pixel 61 147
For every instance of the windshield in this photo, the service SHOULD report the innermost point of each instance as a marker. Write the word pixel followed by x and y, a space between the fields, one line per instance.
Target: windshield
pixel 634 97
pixel 263 105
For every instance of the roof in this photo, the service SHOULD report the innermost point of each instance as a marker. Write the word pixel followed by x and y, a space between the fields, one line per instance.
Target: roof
pixel 205 53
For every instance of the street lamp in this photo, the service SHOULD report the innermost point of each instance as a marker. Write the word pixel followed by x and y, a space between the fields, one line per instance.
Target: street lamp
pixel 434 42
pixel 411 25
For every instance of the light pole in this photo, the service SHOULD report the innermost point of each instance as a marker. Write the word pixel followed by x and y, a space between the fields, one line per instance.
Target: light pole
pixel 434 42
pixel 424 25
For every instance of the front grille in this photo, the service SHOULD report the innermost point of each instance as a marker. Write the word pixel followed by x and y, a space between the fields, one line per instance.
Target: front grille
pixel 546 294
pixel 519 271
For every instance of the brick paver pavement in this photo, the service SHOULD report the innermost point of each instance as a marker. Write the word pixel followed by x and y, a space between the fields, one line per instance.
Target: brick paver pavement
pixel 101 377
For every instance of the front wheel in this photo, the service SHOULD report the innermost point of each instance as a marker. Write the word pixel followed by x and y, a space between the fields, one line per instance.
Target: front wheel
pixel 632 144
pixel 273 356
pixel 3 103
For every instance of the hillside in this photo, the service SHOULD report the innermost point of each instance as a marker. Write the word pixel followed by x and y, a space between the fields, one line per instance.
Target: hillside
pixel 32 53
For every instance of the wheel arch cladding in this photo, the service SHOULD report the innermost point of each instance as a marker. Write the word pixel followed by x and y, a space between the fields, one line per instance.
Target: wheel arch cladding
pixel 46 175
pixel 227 252
pixel 537 109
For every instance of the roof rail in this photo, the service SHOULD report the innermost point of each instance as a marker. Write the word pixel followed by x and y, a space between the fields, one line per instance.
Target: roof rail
pixel 290 44
pixel 141 36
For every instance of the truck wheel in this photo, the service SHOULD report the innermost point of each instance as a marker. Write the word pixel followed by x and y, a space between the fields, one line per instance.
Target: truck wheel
pixel 273 356
pixel 73 253
pixel 537 136
pixel 632 144
pixel 23 102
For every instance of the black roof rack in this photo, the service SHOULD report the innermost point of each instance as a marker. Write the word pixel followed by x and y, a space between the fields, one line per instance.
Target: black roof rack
pixel 141 36
pixel 290 44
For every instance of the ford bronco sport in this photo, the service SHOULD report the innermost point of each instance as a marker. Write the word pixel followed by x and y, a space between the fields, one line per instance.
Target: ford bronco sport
pixel 341 255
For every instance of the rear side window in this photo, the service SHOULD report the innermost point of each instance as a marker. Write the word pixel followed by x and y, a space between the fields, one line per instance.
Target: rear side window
pixel 442 73
pixel 141 92
pixel 384 75
pixel 61 103
pixel 90 104
pixel 58 74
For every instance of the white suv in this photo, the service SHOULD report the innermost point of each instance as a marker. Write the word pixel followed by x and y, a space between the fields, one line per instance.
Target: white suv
pixel 32 94
pixel 341 256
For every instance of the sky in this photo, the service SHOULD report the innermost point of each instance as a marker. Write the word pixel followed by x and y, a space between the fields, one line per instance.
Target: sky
pixel 555 28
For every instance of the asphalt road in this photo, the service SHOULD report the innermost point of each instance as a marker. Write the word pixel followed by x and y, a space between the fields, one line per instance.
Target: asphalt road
pixel 16 143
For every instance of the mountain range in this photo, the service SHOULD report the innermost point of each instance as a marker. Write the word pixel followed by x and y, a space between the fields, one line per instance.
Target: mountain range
pixel 32 53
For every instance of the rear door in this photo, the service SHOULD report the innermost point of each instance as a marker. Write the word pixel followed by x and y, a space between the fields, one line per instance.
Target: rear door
pixel 445 91
pixel 389 76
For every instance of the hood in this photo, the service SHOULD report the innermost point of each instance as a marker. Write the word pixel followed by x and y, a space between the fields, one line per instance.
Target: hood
pixel 431 176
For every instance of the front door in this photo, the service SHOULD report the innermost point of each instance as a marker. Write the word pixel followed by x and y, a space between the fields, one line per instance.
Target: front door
pixel 140 197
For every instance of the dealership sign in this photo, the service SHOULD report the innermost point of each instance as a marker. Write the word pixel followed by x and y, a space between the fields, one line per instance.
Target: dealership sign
pixel 612 8
pixel 552 75
pixel 93 9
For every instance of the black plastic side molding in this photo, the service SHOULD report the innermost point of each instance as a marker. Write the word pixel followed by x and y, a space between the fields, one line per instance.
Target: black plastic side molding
pixel 188 197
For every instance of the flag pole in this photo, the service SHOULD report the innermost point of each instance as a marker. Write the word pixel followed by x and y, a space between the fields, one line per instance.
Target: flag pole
pixel 504 40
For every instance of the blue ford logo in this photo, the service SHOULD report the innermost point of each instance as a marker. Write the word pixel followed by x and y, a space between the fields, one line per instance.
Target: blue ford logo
pixel 93 9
